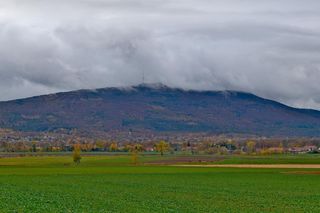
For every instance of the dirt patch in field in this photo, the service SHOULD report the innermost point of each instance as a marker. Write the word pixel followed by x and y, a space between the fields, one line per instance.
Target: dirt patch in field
pixel 187 159
pixel 267 166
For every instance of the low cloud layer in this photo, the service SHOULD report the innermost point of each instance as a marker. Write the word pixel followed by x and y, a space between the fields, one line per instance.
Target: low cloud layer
pixel 270 48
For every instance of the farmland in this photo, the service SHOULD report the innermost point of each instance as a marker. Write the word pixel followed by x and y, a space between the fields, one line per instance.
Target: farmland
pixel 112 184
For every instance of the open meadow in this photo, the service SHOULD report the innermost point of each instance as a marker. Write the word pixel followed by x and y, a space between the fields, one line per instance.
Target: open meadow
pixel 113 184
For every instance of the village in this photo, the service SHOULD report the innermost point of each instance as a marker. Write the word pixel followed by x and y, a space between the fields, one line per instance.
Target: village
pixel 63 141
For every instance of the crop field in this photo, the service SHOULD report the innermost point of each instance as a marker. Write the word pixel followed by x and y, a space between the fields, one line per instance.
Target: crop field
pixel 114 184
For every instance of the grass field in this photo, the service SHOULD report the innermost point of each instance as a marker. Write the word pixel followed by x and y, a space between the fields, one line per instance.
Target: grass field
pixel 112 184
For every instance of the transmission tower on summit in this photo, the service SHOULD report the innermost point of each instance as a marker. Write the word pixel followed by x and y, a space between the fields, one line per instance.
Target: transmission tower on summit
pixel 143 77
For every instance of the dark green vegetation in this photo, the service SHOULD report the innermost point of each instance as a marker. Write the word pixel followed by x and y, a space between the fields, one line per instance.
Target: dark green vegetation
pixel 112 184
pixel 159 109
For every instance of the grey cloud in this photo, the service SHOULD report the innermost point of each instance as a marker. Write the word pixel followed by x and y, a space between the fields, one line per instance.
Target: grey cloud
pixel 270 48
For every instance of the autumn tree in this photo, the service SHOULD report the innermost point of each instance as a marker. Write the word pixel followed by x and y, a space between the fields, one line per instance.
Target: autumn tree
pixel 162 147
pixel 76 153
pixel 135 150
pixel 281 148
pixel 113 147
pixel 251 145
pixel 101 145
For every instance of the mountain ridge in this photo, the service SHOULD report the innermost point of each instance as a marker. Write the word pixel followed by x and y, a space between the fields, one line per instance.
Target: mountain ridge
pixel 158 86
pixel 159 108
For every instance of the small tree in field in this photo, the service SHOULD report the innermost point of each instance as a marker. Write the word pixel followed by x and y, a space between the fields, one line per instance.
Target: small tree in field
pixel 162 147
pixel 135 150
pixel 76 153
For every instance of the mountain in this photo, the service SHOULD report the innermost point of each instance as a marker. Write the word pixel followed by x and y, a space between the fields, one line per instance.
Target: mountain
pixel 158 108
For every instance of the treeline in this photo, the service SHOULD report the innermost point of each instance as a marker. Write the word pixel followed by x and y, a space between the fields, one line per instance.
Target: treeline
pixel 226 146
pixel 83 146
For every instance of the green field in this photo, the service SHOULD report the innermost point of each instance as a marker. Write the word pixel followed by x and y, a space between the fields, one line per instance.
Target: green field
pixel 271 159
pixel 113 184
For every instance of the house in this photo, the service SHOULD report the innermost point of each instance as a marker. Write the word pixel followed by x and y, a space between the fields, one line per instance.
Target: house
pixel 303 149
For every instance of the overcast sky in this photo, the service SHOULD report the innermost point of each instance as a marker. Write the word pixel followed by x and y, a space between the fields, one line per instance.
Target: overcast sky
pixel 267 47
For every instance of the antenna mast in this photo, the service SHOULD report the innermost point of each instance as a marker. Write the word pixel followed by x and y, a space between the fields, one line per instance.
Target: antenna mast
pixel 142 76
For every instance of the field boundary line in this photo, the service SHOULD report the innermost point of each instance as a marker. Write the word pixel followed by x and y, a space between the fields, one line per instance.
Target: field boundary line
pixel 267 166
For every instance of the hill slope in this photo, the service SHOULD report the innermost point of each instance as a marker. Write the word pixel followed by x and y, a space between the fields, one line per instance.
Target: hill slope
pixel 159 109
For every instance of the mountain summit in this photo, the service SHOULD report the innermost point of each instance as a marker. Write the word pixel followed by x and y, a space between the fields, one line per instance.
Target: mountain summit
pixel 158 108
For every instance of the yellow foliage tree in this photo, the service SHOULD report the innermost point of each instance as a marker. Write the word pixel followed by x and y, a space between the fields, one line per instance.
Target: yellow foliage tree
pixel 76 153
pixel 113 147
pixel 135 150
pixel 251 145
pixel 100 144
pixel 162 147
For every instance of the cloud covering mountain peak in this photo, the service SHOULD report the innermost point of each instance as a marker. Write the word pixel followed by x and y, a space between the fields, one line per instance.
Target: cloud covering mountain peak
pixel 270 48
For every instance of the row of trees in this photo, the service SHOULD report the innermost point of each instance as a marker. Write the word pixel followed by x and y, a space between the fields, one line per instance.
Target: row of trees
pixel 206 147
